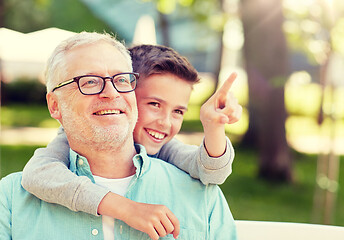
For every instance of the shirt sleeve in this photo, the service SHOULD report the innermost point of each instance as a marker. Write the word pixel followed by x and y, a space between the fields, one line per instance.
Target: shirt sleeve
pixel 197 162
pixel 5 209
pixel 221 223
pixel 47 176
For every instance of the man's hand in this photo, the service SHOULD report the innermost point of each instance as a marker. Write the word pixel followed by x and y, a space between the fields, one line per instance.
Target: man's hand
pixel 155 220
pixel 222 107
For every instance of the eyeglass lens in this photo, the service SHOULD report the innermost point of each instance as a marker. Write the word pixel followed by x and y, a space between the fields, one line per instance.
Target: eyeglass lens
pixel 93 84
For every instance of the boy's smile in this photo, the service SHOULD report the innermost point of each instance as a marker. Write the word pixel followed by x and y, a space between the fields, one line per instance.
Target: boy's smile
pixel 158 136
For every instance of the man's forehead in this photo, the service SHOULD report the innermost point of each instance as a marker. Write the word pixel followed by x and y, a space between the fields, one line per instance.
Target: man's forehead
pixel 87 48
pixel 99 56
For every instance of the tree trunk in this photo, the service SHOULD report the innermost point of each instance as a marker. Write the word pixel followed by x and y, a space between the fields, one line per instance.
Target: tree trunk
pixel 164 26
pixel 2 13
pixel 218 67
pixel 266 57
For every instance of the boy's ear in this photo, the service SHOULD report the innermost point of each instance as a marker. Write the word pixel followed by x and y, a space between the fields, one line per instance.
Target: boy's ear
pixel 53 105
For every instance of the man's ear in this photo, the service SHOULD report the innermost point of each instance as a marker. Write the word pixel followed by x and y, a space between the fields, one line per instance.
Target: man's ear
pixel 53 105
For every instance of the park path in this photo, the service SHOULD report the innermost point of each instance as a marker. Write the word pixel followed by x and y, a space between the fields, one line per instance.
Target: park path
pixel 42 136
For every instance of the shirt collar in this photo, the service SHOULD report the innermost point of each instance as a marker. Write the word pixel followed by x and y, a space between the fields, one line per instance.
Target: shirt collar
pixel 80 166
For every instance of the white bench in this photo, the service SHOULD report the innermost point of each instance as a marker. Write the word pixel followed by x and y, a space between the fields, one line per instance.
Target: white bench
pixel 264 230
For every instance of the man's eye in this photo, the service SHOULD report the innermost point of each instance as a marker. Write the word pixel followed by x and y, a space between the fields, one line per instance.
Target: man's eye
pixel 91 82
pixel 122 80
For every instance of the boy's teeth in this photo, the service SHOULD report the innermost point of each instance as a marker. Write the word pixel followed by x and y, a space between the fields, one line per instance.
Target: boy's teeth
pixel 156 134
pixel 104 112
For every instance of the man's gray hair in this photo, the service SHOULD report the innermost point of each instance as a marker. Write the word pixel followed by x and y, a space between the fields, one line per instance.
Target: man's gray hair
pixel 56 69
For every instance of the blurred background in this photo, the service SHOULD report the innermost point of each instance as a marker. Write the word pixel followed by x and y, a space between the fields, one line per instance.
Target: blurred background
pixel 289 56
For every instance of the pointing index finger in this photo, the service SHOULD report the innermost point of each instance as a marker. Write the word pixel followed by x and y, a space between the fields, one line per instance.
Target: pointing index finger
pixel 227 84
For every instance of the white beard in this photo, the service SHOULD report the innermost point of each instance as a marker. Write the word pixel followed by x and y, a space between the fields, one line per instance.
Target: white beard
pixel 80 131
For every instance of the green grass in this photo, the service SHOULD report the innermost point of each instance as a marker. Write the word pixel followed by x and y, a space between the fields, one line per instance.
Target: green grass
pixel 249 198
pixel 13 158
pixel 20 115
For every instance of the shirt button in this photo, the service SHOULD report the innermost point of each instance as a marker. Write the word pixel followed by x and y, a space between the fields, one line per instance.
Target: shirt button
pixel 81 162
pixel 94 232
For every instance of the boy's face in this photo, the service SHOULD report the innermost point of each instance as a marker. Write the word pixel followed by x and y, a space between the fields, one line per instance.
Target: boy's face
pixel 162 100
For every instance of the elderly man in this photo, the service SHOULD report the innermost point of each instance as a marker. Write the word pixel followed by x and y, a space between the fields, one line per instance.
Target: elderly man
pixel 98 115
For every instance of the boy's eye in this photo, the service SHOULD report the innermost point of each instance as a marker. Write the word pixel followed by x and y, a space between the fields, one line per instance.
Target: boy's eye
pixel 179 112
pixel 154 104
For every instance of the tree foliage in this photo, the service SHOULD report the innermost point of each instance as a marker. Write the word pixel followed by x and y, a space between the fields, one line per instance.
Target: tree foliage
pixel 32 15
pixel 315 28
pixel 207 12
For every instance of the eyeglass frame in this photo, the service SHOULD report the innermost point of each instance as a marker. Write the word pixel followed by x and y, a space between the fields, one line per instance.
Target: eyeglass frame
pixel 76 79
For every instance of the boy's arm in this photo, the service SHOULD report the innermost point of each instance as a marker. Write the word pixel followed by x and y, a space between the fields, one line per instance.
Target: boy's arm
pixel 47 177
pixel 212 161
pixel 197 162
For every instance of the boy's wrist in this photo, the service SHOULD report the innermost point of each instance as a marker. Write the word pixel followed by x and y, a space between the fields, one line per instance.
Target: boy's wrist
pixel 215 142
pixel 214 132
pixel 109 206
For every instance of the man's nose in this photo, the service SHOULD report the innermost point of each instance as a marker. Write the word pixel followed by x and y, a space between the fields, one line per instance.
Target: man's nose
pixel 109 90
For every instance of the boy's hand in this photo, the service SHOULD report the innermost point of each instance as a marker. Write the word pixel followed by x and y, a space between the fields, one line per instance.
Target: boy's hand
pixel 222 107
pixel 155 220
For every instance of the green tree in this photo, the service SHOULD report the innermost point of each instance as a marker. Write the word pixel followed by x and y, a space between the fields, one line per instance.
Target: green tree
pixel 265 51
pixel 32 15
pixel 208 13
pixel 316 29
pixel 2 13
pixel 25 16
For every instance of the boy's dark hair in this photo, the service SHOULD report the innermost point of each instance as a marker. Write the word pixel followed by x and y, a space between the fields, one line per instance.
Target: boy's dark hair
pixel 154 59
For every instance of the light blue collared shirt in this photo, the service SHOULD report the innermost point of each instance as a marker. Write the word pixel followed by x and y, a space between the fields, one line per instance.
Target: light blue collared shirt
pixel 202 211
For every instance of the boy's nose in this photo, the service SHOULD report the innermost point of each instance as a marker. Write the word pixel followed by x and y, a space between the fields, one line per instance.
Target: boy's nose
pixel 165 120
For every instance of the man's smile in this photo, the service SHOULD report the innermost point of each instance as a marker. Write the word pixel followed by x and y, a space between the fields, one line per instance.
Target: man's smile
pixel 107 112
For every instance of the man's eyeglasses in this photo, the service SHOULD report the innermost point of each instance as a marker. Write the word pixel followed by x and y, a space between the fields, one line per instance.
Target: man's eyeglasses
pixel 93 84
